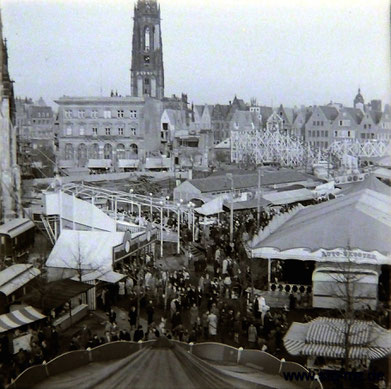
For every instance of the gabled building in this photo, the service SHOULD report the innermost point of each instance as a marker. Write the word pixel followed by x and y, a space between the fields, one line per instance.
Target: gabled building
pixel 319 126
pixel 298 126
pixel 288 116
pixel 347 124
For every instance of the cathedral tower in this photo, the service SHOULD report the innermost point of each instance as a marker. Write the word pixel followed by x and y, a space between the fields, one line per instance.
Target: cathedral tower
pixel 147 73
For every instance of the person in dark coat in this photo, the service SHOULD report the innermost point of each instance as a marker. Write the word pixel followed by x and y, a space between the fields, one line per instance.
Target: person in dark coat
pixel 150 312
pixel 138 334
pixel 132 317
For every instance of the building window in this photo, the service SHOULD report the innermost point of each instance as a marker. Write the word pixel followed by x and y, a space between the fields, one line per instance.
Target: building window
pixel 326 144
pixel 94 131
pixel 94 113
pixel 108 130
pixel 133 114
pixel 314 123
pixel 336 134
pixel 69 131
pixel 94 151
pixel 120 113
pixel 68 113
pixel 120 151
pixel 147 59
pixel 120 131
pixel 108 151
pixel 321 123
pixel 69 152
pixel 326 134
pixel 107 114
pixel 81 131
pixel 365 126
pixel 369 126
pixel 82 113
pixel 340 122
pixel 133 131
pixel 147 39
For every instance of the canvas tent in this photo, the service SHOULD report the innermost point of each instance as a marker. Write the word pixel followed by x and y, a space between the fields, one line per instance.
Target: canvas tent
pixel 354 228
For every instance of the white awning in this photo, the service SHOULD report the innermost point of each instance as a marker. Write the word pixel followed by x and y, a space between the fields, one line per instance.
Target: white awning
pixel 99 163
pixel 16 227
pixel 16 276
pixel 128 163
pixel 19 318
pixel 212 207
pixel 383 173
pixel 288 197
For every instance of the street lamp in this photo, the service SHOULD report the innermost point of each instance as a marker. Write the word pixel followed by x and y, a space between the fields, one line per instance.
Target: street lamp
pixel 131 199
pixel 168 208
pixel 161 229
pixel 150 195
pixel 231 220
pixel 179 229
pixel 260 175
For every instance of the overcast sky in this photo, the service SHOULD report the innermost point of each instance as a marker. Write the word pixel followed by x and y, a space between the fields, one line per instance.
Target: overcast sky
pixel 280 51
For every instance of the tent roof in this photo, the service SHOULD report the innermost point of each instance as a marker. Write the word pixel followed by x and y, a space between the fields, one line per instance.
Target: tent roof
pixel 85 249
pixel 326 336
pixel 289 197
pixel 361 221
pixel 56 293
pixel 211 208
pixel 248 204
pixel 18 318
pixel 370 182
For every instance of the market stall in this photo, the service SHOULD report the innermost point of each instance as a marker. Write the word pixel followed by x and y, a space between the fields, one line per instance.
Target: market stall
pixel 351 230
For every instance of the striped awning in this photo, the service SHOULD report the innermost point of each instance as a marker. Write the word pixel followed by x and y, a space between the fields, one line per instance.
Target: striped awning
pixel 18 318
pixel 326 337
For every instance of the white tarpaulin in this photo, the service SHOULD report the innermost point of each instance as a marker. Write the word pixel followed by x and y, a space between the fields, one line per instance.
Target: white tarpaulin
pixel 212 207
pixel 85 250
pixel 289 196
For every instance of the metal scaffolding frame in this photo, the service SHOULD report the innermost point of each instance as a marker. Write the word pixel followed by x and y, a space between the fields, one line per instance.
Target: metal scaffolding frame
pixel 274 145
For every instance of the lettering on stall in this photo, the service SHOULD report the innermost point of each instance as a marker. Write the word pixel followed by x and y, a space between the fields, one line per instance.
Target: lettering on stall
pixel 348 254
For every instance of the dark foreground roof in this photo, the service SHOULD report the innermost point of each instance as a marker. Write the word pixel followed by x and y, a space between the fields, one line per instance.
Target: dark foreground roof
pixel 162 364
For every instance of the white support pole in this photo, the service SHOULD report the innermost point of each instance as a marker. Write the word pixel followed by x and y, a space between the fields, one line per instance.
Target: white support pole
pixel 161 232
pixel 269 271
pixel 179 231
pixel 193 229
pixel 73 212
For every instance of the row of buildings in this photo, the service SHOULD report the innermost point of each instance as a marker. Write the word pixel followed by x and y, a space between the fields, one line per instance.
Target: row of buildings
pixel 149 131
